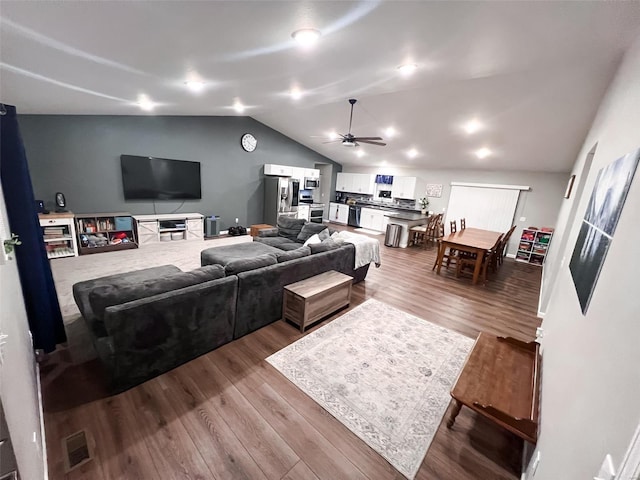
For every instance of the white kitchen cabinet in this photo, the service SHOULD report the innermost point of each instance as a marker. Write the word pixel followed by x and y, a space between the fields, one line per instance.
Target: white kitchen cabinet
pixel 356 183
pixel 344 182
pixel 364 183
pixel 303 212
pixel 298 173
pixel 311 173
pixel 403 187
pixel 278 170
pixel 338 213
pixel 372 219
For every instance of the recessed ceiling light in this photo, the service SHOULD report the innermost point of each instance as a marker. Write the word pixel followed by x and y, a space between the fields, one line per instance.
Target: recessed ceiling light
pixel 413 153
pixel 145 103
pixel 296 93
pixel 407 69
pixel 360 153
pixel 389 132
pixel 306 37
pixel 483 152
pixel 472 126
pixel 238 106
pixel 196 86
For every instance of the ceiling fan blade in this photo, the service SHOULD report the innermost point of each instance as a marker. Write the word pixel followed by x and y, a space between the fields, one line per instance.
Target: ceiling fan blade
pixel 368 138
pixel 334 141
pixel 371 143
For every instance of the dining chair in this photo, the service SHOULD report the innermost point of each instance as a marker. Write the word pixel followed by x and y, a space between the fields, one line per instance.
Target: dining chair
pixel 503 247
pixel 417 235
pixel 463 223
pixel 435 228
pixel 453 226
pixel 489 261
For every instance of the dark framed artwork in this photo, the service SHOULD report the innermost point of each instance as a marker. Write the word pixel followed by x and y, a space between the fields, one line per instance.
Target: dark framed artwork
pixel 599 224
pixel 567 192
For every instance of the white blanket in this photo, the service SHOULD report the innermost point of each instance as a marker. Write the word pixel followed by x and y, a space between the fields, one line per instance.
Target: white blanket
pixel 367 249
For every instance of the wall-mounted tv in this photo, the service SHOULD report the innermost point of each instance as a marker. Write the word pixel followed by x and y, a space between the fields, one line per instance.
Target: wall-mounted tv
pixel 151 178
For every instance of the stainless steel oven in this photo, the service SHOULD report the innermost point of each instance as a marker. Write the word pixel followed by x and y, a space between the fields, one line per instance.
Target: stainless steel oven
pixel 316 212
pixel 311 183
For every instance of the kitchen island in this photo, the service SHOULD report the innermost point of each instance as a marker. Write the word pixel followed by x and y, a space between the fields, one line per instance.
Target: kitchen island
pixel 406 220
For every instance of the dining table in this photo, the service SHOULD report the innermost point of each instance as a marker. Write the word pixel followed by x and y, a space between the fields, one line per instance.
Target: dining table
pixel 472 240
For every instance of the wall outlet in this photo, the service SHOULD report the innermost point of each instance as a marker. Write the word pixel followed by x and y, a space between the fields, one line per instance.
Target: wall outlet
pixel 523 219
pixel 539 332
pixel 236 221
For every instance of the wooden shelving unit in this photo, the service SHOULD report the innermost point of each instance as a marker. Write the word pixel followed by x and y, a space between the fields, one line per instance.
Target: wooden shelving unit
pixel 59 234
pixel 534 245
pixel 105 232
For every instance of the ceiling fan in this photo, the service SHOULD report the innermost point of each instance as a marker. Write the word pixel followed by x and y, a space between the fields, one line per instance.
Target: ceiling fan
pixel 350 140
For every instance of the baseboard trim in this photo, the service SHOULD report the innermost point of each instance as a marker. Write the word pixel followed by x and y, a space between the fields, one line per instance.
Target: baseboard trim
pixel 540 312
pixel 43 445
pixel 511 255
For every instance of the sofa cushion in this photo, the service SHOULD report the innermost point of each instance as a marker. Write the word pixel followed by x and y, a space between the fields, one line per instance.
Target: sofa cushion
pixel 300 252
pixel 240 251
pixel 273 241
pixel 244 264
pixel 289 246
pixel 81 290
pixel 290 227
pixel 310 229
pixel 324 246
pixel 108 295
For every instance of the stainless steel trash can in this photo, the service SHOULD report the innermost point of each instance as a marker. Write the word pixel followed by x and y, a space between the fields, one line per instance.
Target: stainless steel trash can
pixel 392 238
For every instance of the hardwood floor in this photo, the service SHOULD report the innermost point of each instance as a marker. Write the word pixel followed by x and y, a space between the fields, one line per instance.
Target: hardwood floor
pixel 230 415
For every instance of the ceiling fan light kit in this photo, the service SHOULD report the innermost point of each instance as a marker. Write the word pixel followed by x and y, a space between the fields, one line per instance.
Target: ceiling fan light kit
pixel 350 140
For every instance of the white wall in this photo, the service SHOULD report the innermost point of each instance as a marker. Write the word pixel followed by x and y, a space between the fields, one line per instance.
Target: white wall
pixel 591 364
pixel 539 206
pixel 18 382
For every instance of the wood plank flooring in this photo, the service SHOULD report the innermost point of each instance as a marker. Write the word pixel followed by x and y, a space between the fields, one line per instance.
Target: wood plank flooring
pixel 230 415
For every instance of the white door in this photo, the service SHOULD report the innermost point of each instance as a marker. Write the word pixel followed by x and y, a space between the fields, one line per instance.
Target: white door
pixel 195 229
pixel 19 383
pixel 148 232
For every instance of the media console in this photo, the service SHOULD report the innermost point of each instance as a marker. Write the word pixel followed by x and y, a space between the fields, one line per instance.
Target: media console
pixel 174 226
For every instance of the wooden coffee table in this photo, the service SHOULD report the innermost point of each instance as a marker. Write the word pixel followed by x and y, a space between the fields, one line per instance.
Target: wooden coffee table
pixel 309 300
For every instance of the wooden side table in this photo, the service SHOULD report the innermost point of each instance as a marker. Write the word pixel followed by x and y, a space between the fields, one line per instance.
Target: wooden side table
pixel 309 300
pixel 256 228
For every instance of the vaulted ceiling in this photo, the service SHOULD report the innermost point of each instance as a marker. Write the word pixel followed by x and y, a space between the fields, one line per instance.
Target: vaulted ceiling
pixel 531 73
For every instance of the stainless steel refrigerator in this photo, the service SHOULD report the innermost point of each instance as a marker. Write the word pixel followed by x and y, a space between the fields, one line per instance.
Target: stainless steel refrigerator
pixel 280 198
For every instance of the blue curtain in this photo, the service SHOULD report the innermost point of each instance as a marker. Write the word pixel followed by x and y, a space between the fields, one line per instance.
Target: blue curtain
pixel 39 291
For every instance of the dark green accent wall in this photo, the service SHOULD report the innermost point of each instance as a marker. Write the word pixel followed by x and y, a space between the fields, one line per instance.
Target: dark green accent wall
pixel 79 155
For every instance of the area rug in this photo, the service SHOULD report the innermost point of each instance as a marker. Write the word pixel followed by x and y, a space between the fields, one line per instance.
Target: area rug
pixel 385 374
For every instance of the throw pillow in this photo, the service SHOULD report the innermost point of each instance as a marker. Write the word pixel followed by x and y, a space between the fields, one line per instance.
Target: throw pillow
pixel 293 254
pixel 324 246
pixel 310 229
pixel 335 236
pixel 324 235
pixel 313 239
pixel 245 264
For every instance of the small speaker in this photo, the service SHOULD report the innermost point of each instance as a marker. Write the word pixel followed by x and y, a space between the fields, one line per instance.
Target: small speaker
pixel 40 207
pixel 61 202
pixel 211 226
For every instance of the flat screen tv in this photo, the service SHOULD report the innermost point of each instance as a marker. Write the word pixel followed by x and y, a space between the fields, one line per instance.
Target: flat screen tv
pixel 151 178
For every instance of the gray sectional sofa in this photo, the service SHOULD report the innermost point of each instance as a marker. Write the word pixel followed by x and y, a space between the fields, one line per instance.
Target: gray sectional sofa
pixel 146 322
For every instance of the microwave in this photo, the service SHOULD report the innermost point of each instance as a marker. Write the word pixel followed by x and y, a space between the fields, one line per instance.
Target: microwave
pixel 311 183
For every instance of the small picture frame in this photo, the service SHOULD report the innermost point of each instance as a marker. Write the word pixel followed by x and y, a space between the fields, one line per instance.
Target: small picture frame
pixel 567 193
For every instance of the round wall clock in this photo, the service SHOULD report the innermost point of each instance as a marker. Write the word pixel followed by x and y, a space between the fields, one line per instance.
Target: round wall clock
pixel 248 142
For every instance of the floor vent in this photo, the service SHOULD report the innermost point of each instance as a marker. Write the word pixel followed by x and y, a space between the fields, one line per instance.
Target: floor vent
pixel 76 450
